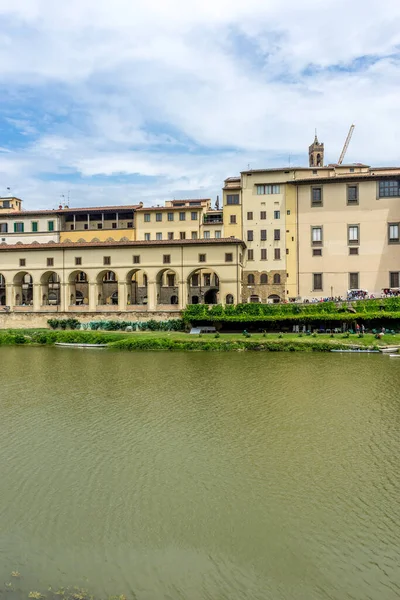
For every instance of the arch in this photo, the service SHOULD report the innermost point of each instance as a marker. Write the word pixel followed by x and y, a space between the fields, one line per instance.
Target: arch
pixel 274 299
pixel 203 286
pixel 23 286
pixel 136 287
pixel 174 300
pixel 229 299
pixel 50 288
pixel 254 299
pixel 167 286
pixel 107 287
pixel 78 292
pixel 311 160
pixel 2 290
pixel 263 279
pixel 251 279
pixel 318 160
pixel 277 278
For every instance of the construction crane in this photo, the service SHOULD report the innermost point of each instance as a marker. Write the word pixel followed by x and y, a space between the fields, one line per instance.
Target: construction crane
pixel 346 144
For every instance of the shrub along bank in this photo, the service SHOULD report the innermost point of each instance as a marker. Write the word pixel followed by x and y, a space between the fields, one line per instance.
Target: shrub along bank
pixel 368 311
pixel 105 325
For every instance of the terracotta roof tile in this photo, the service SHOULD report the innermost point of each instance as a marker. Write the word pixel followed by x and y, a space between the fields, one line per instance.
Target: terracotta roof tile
pixel 117 244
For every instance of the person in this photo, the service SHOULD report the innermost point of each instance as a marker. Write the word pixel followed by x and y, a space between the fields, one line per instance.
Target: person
pixel 357 328
pixel 363 328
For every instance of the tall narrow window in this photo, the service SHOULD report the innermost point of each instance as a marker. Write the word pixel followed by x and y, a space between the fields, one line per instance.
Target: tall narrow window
pixel 232 219
pixel 249 216
pixel 182 216
pixel 147 237
pixel 159 236
pixel 206 235
pixel 182 235
pixel 316 236
pixel 147 217
pixel 354 281
pixel 170 235
pixel 263 235
pixel 277 253
pixel 50 225
pixel 277 234
pixel 263 254
pixel 194 216
pixel 317 281
pixel 263 215
pixel 352 194
pixel 158 217
pixel 394 279
pixel 353 234
pixel 277 214
pixel 194 235
pixel 316 196
pixel 393 232
pixel 106 260
pixel 34 226
pixel 202 258
pixel 170 216
pixel 166 259
pixel 250 254
pixel 250 235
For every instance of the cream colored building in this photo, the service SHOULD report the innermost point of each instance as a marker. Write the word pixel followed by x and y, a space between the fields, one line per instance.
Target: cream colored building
pixel 119 276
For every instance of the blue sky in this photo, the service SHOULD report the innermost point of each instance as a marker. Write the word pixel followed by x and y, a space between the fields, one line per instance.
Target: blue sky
pixel 145 101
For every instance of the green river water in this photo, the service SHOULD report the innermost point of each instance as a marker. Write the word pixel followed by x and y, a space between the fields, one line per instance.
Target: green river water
pixel 200 475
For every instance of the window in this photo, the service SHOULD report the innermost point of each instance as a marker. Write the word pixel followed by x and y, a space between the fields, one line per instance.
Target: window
pixel 85 226
pixel 352 194
pixel 166 259
pixel 394 279
pixel 250 279
pixel 317 281
pixel 34 226
pixel 317 252
pixel 99 225
pixel 182 216
pixel 193 216
pixel 170 216
pixel 22 262
pixel 250 254
pixel 18 228
pixel 351 169
pixel 389 189
pixel 207 279
pixel 170 235
pixel 353 234
pixel 316 236
pixel 218 235
pixel 287 250
pixel 147 217
pixel 50 262
pixel 277 254
pixel 277 278
pixel 182 235
pixel 263 254
pixel 393 232
pixel 229 299
pixel 171 281
pixel 202 258
pixel 249 216
pixel 146 237
pixel 50 225
pixel 277 214
pixel 316 196
pixel 158 236
pixel 233 219
pixel 6 204
pixel 263 278
pixel 158 217
pixel 3 227
pixel 229 257
pixel 195 280
pixel 353 250
pixel 130 224
pixel 250 235
pixel 263 215
pixel 268 189
pixel 232 199
pixel 207 235
pixel 194 235
pixel 136 259
pixel 78 260
pixel 315 172
pixel 106 260
pixel 354 281
pixel 277 234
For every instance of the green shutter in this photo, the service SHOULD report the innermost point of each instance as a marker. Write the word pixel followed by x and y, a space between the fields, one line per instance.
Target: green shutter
pixel 51 225
pixel 34 226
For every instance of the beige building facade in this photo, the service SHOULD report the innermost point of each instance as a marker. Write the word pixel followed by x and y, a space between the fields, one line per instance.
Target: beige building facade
pixel 119 276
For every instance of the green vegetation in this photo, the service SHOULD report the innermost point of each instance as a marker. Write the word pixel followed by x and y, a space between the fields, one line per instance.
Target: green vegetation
pixel 363 310
pixel 103 325
pixel 62 593
pixel 160 340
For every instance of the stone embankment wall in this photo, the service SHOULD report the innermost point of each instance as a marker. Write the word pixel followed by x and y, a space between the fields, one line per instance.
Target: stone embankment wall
pixel 31 320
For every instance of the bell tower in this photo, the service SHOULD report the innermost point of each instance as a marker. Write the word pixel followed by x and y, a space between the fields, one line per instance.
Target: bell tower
pixel 316 153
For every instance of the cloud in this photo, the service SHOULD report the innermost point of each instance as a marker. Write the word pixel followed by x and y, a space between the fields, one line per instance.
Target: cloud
pixel 140 101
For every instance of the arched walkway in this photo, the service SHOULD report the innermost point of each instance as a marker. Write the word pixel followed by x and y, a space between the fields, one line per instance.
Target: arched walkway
pixel 203 287
pixel 136 287
pixel 107 288
pixel 78 292
pixel 229 299
pixel 50 292
pixel 255 299
pixel 167 287
pixel 274 299
pixel 23 289
pixel 3 298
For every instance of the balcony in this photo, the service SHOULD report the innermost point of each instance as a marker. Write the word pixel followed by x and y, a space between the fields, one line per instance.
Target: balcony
pixel 213 219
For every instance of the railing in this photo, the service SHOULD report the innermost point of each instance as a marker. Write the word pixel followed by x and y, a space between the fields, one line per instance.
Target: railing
pixel 213 220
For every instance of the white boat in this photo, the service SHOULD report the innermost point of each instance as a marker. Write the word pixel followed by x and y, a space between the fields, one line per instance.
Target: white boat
pixel 394 355
pixel 65 345
pixel 389 349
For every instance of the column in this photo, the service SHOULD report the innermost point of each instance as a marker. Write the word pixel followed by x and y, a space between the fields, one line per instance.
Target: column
pixel 122 295
pixel 36 296
pixel 183 294
pixel 64 296
pixel 10 300
pixel 151 295
pixel 92 290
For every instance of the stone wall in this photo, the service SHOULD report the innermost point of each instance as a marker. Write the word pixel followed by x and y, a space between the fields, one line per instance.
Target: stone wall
pixel 31 320
pixel 265 290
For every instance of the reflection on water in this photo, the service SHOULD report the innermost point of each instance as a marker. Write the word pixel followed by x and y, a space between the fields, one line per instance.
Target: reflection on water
pixel 200 476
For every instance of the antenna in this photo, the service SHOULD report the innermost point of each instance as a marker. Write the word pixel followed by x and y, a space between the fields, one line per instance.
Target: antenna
pixel 346 145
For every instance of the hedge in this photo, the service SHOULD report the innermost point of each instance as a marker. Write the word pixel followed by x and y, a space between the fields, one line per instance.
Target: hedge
pixel 151 325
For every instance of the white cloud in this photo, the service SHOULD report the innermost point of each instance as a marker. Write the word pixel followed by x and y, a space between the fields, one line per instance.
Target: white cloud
pixel 186 94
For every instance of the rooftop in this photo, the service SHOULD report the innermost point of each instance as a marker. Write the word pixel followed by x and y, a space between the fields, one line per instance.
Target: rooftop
pixel 63 211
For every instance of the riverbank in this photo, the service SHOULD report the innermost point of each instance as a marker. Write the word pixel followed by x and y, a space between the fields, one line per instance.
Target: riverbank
pixel 162 340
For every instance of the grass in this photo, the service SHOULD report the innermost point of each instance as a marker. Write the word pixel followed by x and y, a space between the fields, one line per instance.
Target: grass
pixel 152 340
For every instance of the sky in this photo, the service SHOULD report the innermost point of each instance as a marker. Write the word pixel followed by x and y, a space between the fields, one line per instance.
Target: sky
pixel 143 101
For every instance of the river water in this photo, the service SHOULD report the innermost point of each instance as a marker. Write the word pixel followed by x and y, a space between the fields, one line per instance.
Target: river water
pixel 200 475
